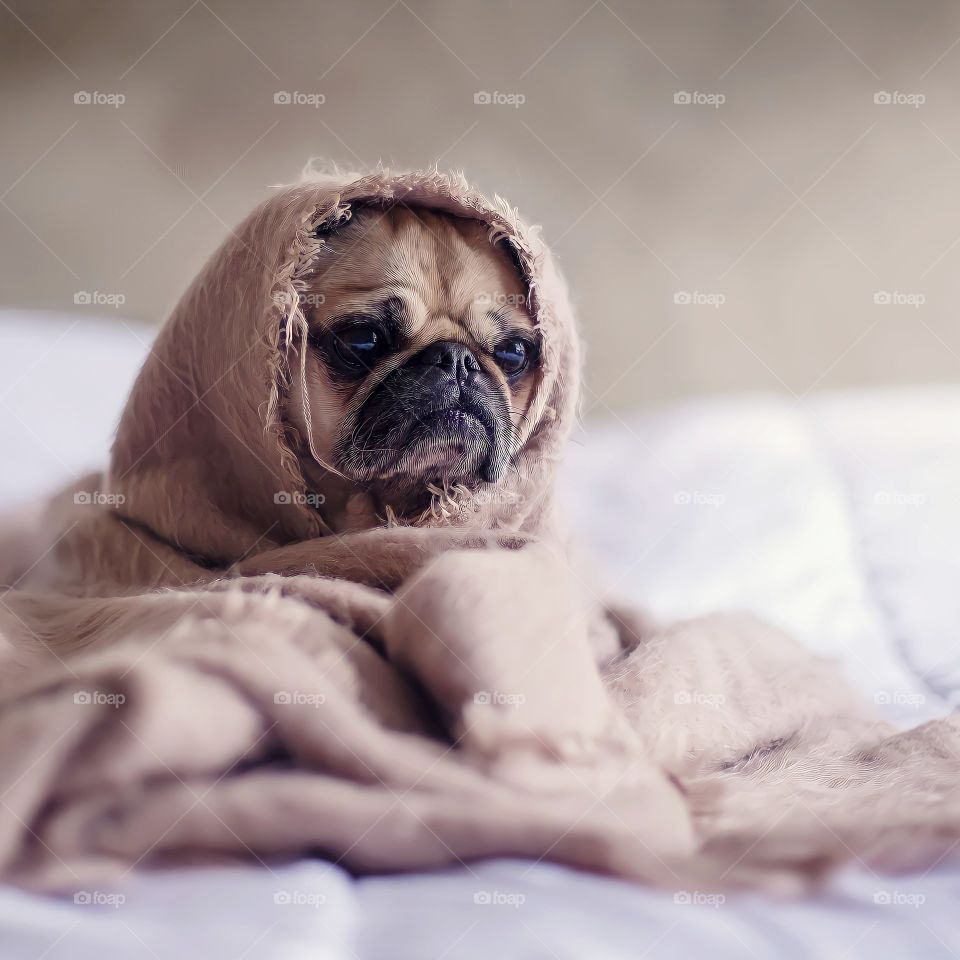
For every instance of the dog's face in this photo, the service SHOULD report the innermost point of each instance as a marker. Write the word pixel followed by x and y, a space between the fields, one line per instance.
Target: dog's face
pixel 422 355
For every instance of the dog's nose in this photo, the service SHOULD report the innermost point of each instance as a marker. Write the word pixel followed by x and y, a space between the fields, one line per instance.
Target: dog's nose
pixel 455 359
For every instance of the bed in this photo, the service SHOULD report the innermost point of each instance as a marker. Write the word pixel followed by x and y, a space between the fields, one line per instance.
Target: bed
pixel 836 517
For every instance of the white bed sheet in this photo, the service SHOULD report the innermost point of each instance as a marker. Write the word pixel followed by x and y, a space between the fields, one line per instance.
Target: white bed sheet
pixel 837 519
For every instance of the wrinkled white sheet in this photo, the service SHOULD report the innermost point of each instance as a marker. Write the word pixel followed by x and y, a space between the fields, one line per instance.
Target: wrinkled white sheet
pixel 837 519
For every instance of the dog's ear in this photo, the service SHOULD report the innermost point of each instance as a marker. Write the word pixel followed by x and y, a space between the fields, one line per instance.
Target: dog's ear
pixel 512 254
pixel 335 219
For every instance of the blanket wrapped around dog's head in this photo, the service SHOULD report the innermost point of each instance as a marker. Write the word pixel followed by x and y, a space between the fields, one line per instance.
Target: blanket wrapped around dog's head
pixel 206 457
pixel 414 694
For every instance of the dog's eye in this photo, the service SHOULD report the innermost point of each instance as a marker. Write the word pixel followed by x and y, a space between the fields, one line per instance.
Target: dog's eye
pixel 513 355
pixel 358 346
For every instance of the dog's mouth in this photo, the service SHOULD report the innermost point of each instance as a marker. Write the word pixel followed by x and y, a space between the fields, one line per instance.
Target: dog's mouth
pixel 451 441
pixel 464 414
pixel 452 418
pixel 401 442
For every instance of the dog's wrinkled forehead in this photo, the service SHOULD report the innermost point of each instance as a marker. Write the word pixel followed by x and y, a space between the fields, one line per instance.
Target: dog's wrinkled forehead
pixel 436 275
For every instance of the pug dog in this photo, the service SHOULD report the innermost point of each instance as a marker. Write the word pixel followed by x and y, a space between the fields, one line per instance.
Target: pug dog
pixel 419 362
pixel 408 384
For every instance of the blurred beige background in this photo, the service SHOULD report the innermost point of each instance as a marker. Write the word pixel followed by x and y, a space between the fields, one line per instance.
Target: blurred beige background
pixel 738 241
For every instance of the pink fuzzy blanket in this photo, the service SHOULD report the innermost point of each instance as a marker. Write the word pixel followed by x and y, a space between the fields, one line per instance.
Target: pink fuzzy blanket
pixel 204 674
